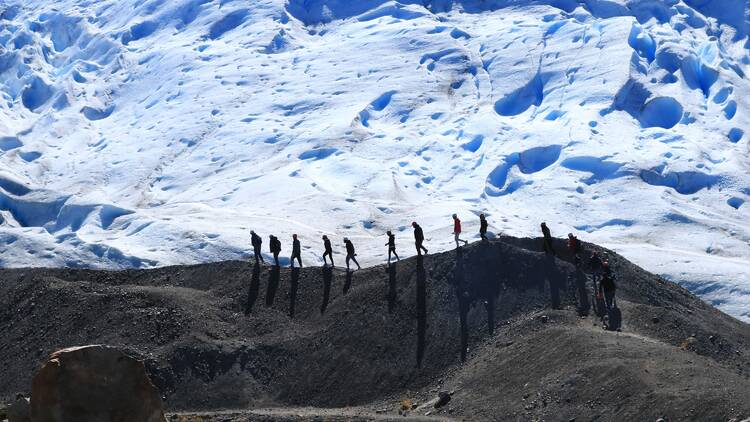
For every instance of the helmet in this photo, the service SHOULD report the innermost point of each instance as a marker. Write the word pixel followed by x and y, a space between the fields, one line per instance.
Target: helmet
pixel 414 224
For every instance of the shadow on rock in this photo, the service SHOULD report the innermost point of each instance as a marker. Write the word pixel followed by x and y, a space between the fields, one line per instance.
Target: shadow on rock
pixel 273 286
pixel 253 290
pixel 392 294
pixel 327 281
pixel 293 291
pixel 421 309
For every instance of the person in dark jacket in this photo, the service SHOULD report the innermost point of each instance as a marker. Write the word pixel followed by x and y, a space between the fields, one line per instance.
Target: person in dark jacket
pixel 574 245
pixel 328 250
pixel 296 251
pixel 595 263
pixel 275 248
pixel 257 242
pixel 608 286
pixel 547 242
pixel 580 279
pixel 418 238
pixel 391 246
pixel 483 227
pixel 350 254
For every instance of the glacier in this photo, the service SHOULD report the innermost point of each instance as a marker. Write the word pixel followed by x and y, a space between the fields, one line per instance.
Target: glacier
pixel 141 133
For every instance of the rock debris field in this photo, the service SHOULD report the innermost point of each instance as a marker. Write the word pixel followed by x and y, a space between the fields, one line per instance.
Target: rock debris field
pixel 230 341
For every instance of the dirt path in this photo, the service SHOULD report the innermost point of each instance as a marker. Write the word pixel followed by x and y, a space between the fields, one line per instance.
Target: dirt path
pixel 305 414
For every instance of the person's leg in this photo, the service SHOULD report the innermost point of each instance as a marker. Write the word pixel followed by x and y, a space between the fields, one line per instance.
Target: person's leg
pixel 299 259
pixel 276 258
pixel 455 237
pixel 355 261
pixel 608 300
pixel 397 258
pixel 348 257
pixel 389 255
pixel 419 249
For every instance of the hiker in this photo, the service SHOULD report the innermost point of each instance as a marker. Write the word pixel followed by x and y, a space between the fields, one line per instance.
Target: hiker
pixel 296 251
pixel 350 254
pixel 275 248
pixel 483 227
pixel 608 286
pixel 457 230
pixel 328 250
pixel 418 238
pixel 547 242
pixel 580 280
pixel 257 242
pixel 595 263
pixel 391 246
pixel 574 245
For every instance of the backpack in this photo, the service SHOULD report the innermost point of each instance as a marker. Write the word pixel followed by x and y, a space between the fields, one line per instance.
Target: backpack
pixel 613 321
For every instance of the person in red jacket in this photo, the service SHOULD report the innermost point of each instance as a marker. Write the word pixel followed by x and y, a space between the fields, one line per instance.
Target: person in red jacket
pixel 457 230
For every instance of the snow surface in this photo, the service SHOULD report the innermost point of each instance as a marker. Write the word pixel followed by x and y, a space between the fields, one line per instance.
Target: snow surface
pixel 142 133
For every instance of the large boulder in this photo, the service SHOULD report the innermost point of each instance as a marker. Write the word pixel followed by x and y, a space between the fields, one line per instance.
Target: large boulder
pixel 94 384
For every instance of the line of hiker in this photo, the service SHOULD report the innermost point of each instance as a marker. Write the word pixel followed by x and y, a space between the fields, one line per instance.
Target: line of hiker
pixel 602 276
pixel 275 244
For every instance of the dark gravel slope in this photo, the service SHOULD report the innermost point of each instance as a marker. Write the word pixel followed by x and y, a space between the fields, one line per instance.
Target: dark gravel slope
pixel 221 336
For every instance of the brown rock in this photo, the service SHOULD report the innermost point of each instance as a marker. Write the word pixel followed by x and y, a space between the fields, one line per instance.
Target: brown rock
pixel 94 384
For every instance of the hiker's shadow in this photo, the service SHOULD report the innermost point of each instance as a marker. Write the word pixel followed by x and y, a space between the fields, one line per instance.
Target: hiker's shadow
pixel 556 279
pixel 253 290
pixel 327 281
pixel 293 291
pixel 273 285
pixel 464 300
pixel 584 306
pixel 348 282
pixel 392 294
pixel 421 309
